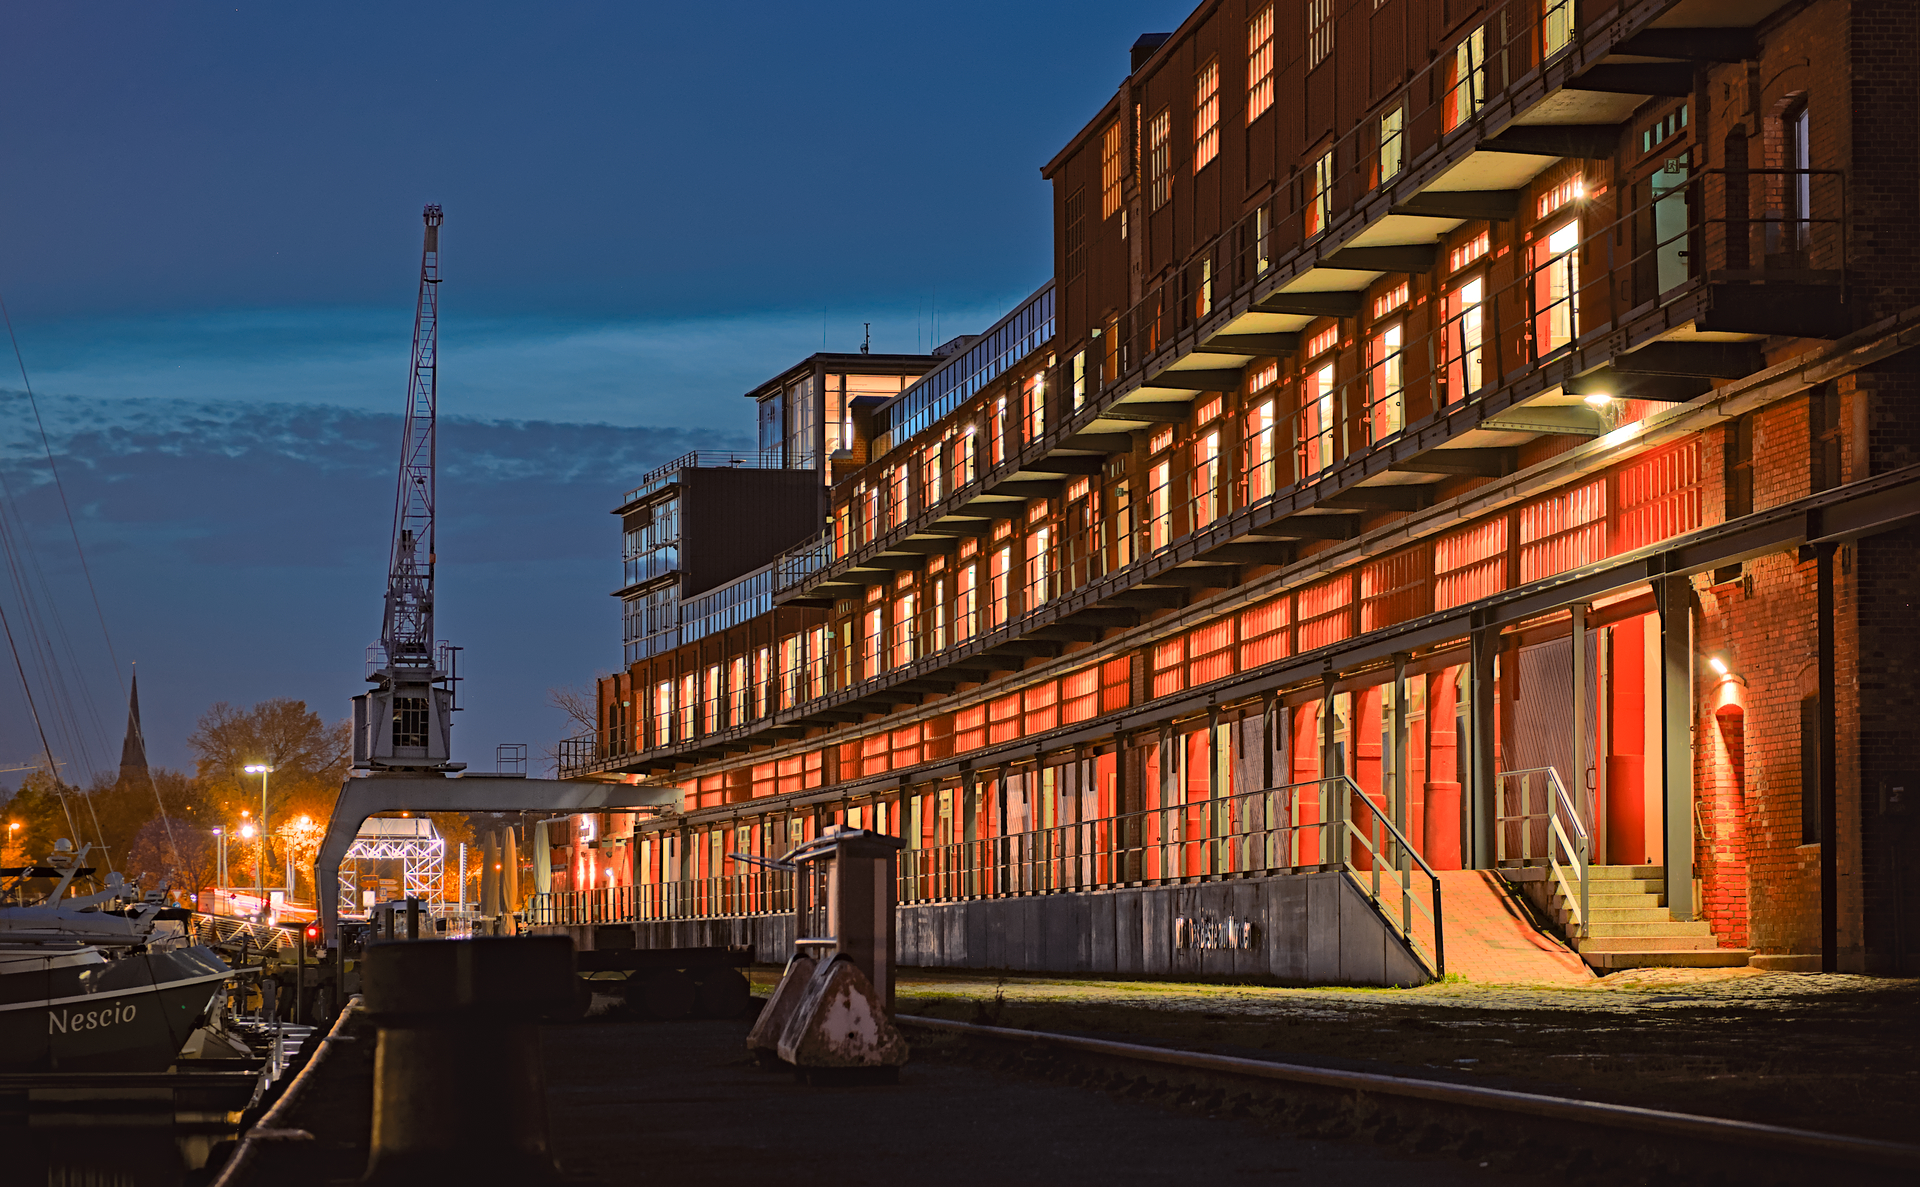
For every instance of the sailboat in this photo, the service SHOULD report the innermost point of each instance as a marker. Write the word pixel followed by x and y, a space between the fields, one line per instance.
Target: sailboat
pixel 102 982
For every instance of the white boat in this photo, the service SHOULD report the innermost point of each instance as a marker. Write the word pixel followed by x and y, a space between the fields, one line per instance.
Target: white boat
pixel 109 981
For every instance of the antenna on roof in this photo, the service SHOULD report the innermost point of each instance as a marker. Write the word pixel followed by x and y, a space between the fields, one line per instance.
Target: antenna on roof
pixel 867 342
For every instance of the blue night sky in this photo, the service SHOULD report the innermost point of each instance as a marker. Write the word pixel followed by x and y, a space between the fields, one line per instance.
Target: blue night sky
pixel 209 239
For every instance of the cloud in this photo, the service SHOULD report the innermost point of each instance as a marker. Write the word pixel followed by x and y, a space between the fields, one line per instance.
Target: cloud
pixel 239 551
pixel 688 372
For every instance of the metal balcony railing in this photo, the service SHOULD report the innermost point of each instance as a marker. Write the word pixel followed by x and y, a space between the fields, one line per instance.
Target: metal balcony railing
pixel 758 459
pixel 1326 824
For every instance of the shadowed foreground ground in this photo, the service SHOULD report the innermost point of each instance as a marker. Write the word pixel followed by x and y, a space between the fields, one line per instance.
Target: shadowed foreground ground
pixel 1835 1053
pixel 681 1102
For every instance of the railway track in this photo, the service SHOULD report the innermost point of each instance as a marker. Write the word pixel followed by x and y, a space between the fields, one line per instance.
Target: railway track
pixel 1598 1119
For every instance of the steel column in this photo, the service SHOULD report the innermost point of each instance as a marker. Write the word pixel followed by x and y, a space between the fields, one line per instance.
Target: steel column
pixel 1484 644
pixel 1675 597
pixel 1829 768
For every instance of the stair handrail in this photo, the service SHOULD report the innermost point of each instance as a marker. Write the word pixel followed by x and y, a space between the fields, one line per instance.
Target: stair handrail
pixel 1578 846
pixel 1377 847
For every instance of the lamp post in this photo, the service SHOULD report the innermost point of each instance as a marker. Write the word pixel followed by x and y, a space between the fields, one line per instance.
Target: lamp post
pixel 220 858
pixel 260 867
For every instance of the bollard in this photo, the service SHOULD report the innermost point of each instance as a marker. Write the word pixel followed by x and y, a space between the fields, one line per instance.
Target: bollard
pixel 413 918
pixel 458 1088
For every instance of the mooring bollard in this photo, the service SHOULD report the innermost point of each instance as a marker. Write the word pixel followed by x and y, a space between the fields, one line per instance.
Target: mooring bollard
pixel 458 1087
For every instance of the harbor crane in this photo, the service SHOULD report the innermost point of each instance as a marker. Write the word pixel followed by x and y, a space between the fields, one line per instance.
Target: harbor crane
pixel 404 723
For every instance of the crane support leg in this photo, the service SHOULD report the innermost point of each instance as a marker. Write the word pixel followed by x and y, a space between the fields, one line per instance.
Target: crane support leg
pixel 361 798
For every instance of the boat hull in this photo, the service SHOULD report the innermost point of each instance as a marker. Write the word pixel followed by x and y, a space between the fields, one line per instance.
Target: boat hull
pixel 131 1014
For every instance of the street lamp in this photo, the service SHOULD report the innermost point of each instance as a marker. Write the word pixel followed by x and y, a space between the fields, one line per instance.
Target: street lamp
pixel 220 862
pixel 260 866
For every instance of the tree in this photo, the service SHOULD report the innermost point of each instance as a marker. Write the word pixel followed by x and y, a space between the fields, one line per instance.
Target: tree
pixel 309 760
pixel 280 732
pixel 43 817
pixel 185 860
pixel 581 705
pixel 301 837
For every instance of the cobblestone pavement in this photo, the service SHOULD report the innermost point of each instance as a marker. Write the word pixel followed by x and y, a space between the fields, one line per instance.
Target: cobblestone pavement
pixel 1629 991
pixel 1823 1051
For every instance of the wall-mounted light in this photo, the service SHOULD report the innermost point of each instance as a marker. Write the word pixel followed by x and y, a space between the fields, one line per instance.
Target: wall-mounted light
pixel 1718 665
pixel 1598 399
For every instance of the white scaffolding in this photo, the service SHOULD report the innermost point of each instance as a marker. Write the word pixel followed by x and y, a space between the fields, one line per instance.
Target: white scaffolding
pixel 409 840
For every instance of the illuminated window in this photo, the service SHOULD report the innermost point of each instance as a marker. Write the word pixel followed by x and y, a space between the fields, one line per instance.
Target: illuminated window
pixel 869 497
pixel 933 481
pixel 762 681
pixel 1159 160
pixel 904 609
pixel 740 691
pixel 1319 31
pixel 1079 379
pixel 687 707
pixel 663 713
pixel 1556 288
pixel 1036 401
pixel 997 432
pixel 1465 335
pixel 1260 63
pixel 1204 480
pixel 874 638
pixel 1206 115
pixel 1393 143
pixel 1120 527
pixel 1557 26
pixel 712 700
pixel 1388 372
pixel 1113 159
pixel 965 448
pixel 1320 201
pixel 819 640
pixel 1000 585
pixel 1390 300
pixel 939 608
pixel 897 512
pixel 1316 421
pixel 1466 80
pixel 1040 583
pixel 966 603
pixel 792 670
pixel 1258 452
pixel 1160 507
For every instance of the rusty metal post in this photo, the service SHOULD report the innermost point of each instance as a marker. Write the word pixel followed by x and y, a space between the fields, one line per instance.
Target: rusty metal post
pixel 459 1091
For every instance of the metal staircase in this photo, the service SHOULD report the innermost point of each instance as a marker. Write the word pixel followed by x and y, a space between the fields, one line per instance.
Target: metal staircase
pixel 1615 917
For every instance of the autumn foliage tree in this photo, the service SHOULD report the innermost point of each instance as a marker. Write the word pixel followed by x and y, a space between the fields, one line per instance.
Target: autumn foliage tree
pixel 309 759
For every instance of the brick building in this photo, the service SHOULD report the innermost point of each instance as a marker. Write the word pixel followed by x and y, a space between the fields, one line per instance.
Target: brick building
pixel 1458 434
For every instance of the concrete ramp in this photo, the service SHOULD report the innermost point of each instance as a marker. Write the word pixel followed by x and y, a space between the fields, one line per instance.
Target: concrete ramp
pixel 1491 939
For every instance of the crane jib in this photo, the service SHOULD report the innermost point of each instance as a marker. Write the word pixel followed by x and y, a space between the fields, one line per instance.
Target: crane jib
pixel 402 724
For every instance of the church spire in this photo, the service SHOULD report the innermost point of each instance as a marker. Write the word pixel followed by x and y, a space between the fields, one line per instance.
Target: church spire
pixel 133 751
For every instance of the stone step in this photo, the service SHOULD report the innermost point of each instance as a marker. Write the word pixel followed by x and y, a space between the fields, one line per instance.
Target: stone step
pixel 1644 944
pixel 1629 915
pixel 1667 927
pixel 1627 873
pixel 1702 958
pixel 1597 901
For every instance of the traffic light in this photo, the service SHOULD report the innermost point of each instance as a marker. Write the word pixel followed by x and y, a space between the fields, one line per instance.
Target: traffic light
pixel 312 937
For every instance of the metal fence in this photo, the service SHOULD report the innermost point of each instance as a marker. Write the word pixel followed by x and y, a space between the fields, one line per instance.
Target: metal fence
pixel 1327 824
